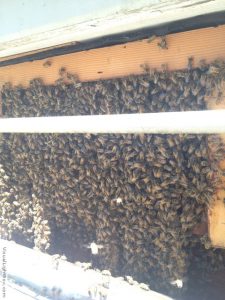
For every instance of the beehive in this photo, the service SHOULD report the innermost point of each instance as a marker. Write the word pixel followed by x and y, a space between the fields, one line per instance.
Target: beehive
pixel 133 195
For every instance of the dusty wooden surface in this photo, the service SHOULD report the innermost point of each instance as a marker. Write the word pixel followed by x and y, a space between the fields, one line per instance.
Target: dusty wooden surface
pixel 216 213
pixel 123 60
pixel 90 19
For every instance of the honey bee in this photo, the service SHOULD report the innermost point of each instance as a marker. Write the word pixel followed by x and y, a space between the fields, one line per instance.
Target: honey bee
pixel 190 62
pixel 151 38
pixel 130 280
pixel 145 68
pixel 62 72
pixel 144 286
pixel 162 43
pixel 47 64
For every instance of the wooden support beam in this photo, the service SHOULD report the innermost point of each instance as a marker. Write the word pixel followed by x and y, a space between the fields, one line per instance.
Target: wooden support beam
pixel 123 60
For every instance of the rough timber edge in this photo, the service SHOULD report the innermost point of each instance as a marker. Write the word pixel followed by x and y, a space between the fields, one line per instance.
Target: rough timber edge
pixel 147 14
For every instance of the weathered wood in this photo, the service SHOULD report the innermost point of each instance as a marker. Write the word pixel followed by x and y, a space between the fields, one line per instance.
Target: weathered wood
pixel 123 60
pixel 89 20
pixel 37 271
pixel 216 213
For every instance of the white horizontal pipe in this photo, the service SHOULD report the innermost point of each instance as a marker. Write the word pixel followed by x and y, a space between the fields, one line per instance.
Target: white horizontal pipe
pixel 210 121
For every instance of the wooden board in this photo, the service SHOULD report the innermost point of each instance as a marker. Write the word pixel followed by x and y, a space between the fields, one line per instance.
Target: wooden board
pixel 123 60
pixel 216 213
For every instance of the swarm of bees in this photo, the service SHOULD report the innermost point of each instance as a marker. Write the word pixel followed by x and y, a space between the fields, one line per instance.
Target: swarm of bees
pixel 138 196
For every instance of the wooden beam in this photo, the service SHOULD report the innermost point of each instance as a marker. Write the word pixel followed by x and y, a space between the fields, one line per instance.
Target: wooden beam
pixel 216 213
pixel 123 60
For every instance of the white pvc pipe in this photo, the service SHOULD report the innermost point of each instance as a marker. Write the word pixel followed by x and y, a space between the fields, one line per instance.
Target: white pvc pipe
pixel 209 121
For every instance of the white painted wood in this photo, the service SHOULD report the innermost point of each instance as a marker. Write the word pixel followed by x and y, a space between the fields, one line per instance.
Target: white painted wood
pixel 67 21
pixel 210 121
pixel 39 271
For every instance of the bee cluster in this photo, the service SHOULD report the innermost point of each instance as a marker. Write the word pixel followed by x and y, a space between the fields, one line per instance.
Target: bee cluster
pixel 138 196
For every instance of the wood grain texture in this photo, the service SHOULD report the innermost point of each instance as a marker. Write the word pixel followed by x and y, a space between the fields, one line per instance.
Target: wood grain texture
pixel 124 60
pixel 89 20
pixel 216 213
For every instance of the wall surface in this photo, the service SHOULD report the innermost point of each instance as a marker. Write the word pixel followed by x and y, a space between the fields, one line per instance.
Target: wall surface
pixel 20 16
pixel 29 25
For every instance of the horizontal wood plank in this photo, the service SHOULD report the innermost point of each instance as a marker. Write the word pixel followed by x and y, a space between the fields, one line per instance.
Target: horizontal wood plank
pixel 123 60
